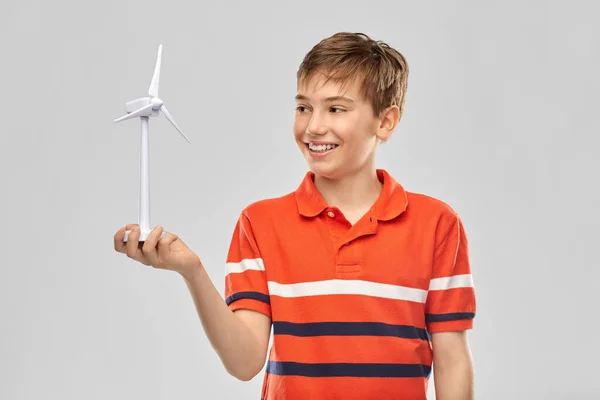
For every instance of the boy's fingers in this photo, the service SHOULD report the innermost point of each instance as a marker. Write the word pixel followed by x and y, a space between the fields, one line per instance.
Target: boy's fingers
pixel 149 247
pixel 133 250
pixel 168 239
pixel 121 246
pixel 118 240
pixel 165 242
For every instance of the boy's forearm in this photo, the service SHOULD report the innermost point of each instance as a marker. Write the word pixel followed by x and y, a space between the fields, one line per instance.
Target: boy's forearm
pixel 235 344
pixel 454 381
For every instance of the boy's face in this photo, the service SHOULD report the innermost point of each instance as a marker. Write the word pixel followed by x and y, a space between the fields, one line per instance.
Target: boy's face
pixel 335 129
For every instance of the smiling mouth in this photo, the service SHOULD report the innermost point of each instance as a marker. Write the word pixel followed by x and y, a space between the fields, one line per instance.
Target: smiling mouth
pixel 321 148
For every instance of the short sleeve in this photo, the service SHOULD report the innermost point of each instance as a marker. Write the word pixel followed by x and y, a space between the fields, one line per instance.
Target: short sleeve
pixel 245 277
pixel 450 304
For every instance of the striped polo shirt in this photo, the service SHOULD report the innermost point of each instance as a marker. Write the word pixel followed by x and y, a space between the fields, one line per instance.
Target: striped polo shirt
pixel 352 306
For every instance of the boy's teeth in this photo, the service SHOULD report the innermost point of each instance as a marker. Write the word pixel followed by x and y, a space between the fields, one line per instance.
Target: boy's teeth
pixel 322 147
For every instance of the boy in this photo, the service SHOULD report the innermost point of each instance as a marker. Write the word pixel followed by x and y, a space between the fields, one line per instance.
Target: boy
pixel 365 285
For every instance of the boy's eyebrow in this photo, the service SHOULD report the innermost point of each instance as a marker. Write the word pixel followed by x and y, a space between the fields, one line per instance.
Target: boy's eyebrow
pixel 328 99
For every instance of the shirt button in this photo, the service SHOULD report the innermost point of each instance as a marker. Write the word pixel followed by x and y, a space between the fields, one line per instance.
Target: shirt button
pixel 331 214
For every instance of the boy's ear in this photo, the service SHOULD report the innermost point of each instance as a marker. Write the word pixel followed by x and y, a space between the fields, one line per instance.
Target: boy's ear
pixel 388 121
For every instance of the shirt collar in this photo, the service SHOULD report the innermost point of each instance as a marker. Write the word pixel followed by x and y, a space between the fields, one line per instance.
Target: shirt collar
pixel 392 200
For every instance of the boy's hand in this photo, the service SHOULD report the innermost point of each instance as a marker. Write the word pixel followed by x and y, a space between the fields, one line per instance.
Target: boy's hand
pixel 169 252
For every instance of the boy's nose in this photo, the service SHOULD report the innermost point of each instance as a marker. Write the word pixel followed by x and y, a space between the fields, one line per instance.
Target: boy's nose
pixel 316 127
pixel 317 132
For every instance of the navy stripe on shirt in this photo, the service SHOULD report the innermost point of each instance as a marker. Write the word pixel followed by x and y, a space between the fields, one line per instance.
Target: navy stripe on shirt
pixel 448 317
pixel 349 370
pixel 248 295
pixel 348 329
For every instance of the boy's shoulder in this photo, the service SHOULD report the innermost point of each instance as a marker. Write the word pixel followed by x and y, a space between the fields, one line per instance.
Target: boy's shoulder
pixel 428 203
pixel 271 207
pixel 427 210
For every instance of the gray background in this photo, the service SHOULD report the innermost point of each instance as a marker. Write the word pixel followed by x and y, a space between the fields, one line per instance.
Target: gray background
pixel 501 123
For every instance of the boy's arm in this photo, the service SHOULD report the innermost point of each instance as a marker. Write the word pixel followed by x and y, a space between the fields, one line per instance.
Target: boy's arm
pixel 449 311
pixel 240 338
pixel 453 366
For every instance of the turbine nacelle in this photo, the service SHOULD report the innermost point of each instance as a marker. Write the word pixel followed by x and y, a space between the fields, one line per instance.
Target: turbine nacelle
pixel 146 107
pixel 143 102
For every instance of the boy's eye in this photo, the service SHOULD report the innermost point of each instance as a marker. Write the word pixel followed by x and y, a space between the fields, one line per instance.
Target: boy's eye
pixel 332 109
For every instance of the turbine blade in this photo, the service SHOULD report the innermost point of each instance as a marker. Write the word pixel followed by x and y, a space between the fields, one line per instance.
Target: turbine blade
pixel 166 113
pixel 153 90
pixel 137 113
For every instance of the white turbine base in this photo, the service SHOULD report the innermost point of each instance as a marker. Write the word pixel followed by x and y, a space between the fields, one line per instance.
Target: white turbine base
pixel 144 233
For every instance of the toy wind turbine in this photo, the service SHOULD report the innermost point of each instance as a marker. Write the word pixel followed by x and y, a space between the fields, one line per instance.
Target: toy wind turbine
pixel 144 108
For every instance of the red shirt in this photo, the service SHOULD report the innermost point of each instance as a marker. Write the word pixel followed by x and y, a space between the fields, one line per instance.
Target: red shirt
pixel 352 307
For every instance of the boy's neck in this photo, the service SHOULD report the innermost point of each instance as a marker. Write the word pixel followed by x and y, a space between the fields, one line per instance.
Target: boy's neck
pixel 357 191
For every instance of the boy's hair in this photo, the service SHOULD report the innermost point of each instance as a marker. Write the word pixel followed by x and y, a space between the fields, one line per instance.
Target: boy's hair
pixel 346 56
